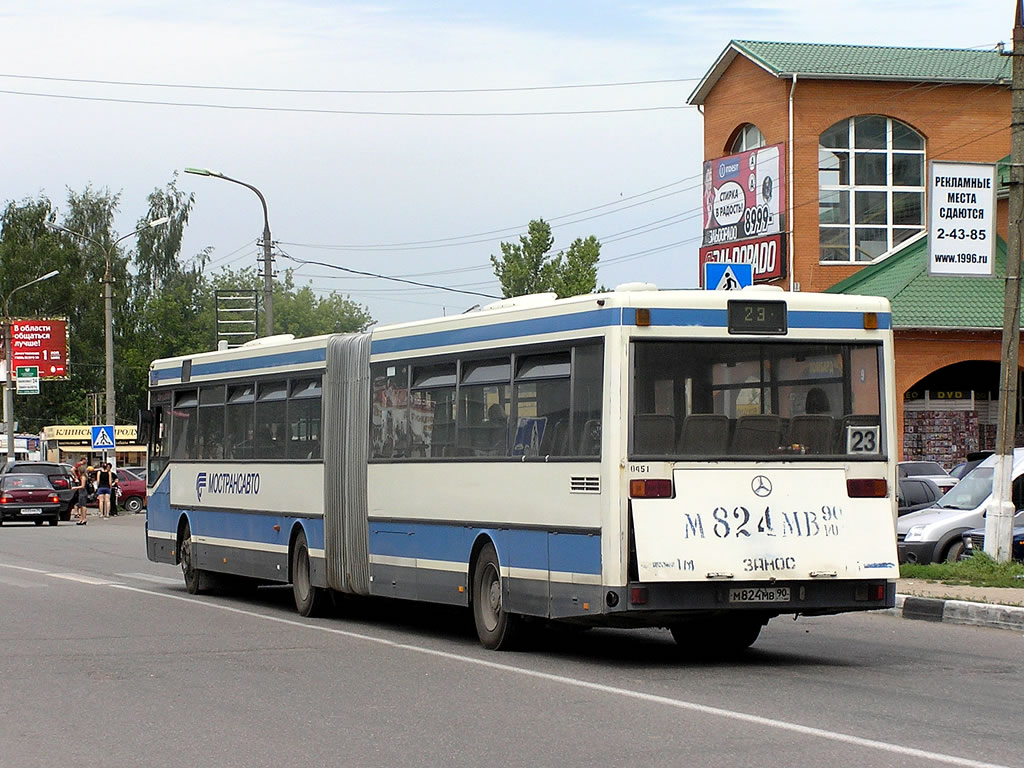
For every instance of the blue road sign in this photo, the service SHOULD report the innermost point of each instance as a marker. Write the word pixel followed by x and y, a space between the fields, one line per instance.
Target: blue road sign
pixel 102 437
pixel 720 276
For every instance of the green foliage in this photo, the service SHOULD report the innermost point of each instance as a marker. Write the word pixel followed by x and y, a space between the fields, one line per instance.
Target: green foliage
pixel 298 311
pixel 163 306
pixel 979 570
pixel 528 266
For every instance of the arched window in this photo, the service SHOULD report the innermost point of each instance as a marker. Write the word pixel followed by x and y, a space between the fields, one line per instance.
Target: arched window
pixel 748 136
pixel 870 187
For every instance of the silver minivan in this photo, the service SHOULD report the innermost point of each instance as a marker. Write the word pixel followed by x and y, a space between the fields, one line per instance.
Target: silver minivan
pixel 934 534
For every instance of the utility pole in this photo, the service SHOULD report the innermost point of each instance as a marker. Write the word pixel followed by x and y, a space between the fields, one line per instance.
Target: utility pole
pixel 999 520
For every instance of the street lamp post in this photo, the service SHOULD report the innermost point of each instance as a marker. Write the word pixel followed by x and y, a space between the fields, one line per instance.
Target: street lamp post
pixel 268 277
pixel 9 389
pixel 108 306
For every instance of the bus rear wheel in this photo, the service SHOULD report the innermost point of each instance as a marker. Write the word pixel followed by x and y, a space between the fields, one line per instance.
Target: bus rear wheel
pixel 309 600
pixel 195 579
pixel 496 627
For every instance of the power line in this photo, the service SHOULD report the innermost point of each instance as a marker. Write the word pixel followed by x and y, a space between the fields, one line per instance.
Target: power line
pixel 348 91
pixel 365 112
pixel 387 277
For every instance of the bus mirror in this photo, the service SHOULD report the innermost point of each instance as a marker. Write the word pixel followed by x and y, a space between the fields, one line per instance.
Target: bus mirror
pixel 144 427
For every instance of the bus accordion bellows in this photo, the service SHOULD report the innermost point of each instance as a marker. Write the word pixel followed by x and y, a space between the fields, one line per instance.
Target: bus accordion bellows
pixel 697 460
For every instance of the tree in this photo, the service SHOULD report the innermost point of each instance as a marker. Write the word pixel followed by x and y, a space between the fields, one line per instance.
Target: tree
pixel 528 267
pixel 298 311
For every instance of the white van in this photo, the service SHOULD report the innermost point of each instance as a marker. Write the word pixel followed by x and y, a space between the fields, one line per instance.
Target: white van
pixel 933 534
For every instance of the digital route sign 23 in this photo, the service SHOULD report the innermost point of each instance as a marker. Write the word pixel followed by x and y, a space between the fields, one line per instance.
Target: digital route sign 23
pixel 42 343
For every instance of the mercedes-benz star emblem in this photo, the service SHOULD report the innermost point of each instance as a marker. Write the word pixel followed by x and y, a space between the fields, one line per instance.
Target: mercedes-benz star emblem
pixel 761 486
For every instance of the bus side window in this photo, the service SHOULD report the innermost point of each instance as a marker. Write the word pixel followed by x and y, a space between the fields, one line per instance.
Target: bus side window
pixel 1018 493
pixel 587 379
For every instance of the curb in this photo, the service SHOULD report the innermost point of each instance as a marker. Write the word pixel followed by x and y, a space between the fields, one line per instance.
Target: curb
pixel 959 612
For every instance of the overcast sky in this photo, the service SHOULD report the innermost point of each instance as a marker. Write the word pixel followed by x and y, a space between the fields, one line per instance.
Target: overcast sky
pixel 340 175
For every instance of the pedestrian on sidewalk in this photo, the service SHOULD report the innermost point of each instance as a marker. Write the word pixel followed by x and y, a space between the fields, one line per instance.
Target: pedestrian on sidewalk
pixel 78 502
pixel 106 481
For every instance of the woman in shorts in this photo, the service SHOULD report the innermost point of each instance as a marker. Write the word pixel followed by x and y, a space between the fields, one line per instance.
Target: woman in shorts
pixel 106 480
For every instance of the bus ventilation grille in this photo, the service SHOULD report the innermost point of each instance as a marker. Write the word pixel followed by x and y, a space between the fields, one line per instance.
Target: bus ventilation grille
pixel 584 485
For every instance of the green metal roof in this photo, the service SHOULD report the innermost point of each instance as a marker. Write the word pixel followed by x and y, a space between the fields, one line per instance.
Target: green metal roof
pixel 920 300
pixel 862 62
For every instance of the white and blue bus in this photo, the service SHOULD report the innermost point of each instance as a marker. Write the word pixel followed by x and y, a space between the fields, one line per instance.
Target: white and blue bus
pixel 697 460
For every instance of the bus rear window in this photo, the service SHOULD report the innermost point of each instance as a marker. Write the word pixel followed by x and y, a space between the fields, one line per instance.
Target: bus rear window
pixel 749 400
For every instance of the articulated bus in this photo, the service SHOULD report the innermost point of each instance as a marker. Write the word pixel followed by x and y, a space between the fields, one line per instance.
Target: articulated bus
pixel 702 461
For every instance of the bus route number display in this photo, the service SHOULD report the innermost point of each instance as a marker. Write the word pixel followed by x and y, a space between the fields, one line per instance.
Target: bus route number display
pixel 761 317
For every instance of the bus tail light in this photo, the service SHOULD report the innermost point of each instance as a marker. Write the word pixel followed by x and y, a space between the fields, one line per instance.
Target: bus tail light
pixel 638 596
pixel 866 488
pixel 650 489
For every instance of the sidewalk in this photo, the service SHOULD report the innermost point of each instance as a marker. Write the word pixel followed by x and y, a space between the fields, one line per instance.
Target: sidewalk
pixel 998 607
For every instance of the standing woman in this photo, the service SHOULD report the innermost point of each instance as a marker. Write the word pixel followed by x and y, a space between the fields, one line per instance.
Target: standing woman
pixel 104 484
pixel 80 493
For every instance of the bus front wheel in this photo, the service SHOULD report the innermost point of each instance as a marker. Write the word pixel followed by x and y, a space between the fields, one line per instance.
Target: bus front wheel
pixel 308 599
pixel 495 626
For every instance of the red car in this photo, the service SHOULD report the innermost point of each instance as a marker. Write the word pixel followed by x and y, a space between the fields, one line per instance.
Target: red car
pixel 133 492
pixel 28 497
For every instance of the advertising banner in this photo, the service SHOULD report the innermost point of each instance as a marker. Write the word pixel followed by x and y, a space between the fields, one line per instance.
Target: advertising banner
pixel 42 343
pixel 961 220
pixel 744 195
pixel 767 255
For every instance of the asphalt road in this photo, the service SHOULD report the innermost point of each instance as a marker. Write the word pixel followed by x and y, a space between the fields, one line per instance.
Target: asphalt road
pixel 105 660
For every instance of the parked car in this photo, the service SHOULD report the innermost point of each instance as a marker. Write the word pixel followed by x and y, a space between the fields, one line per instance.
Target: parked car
pixel 973 459
pixel 28 497
pixel 935 534
pixel 60 479
pixel 974 541
pixel 916 493
pixel 930 469
pixel 133 492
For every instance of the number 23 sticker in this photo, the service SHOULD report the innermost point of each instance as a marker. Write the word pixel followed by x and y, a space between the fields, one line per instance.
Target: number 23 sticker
pixel 862 439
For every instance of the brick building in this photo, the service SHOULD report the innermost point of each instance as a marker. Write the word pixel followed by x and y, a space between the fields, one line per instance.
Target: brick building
pixel 857 126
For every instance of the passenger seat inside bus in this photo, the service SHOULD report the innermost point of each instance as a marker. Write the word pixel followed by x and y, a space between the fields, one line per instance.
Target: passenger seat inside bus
pixel 814 431
pixel 758 435
pixel 704 434
pixel 654 433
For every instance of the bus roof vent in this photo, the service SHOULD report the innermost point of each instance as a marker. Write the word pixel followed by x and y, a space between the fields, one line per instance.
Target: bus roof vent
pixel 527 300
pixel 267 341
pixel 625 287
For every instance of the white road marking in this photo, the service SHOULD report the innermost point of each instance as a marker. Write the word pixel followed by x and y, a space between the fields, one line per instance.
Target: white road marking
pixel 767 722
pixel 23 568
pixel 84 579
pixel 150 577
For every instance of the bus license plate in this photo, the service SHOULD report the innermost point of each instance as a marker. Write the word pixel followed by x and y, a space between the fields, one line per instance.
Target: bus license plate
pixel 759 595
pixel 32 511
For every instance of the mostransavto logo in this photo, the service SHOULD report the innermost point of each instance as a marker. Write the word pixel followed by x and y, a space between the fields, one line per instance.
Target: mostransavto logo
pixel 215 483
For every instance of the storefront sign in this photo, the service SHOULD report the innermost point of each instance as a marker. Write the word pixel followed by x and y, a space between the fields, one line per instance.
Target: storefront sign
pixel 961 220
pixel 744 195
pixel 42 343
pixel 82 433
pixel 767 255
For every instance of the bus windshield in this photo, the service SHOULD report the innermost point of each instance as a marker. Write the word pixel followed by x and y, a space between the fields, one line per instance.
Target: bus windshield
pixel 769 400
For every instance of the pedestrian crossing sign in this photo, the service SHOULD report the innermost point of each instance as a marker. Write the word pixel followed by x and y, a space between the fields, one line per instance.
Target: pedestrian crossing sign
pixel 102 437
pixel 720 276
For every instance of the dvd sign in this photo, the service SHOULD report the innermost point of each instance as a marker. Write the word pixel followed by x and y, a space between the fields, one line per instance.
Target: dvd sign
pixel 744 195
pixel 765 254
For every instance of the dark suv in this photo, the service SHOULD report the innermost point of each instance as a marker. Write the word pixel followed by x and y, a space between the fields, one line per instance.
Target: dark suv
pixel 59 477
